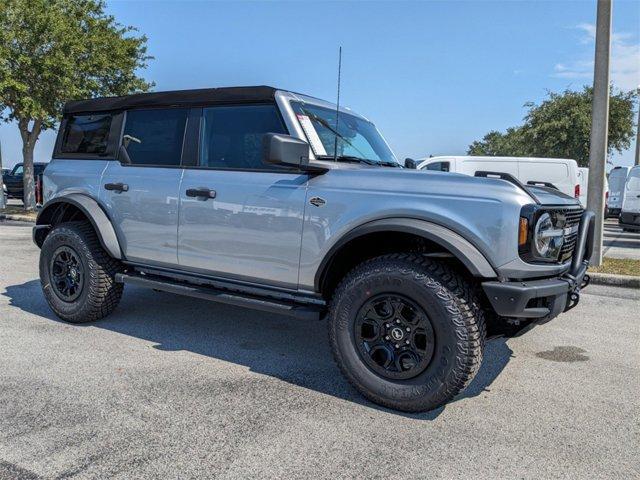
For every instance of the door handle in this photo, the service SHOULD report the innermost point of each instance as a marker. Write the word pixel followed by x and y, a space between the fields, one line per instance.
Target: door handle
pixel 116 187
pixel 205 193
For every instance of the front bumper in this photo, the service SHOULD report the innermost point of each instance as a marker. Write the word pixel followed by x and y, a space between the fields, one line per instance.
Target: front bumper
pixel 629 220
pixel 613 212
pixel 546 298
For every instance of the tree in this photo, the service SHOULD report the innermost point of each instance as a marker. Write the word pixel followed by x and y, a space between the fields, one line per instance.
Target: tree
pixel 499 144
pixel 560 127
pixel 52 51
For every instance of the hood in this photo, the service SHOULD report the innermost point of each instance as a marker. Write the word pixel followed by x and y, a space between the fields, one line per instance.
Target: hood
pixel 551 196
pixel 451 184
pixel 431 183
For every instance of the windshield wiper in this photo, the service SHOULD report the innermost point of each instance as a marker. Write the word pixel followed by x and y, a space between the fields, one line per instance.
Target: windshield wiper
pixel 347 158
pixel 389 164
pixel 352 158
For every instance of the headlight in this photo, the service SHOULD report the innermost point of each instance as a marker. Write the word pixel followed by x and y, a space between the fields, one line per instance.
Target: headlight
pixel 547 239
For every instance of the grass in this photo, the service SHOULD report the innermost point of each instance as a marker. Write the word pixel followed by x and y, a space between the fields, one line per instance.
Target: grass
pixel 618 266
pixel 19 210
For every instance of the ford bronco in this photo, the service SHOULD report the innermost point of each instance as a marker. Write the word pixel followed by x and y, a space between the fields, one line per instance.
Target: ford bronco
pixel 281 202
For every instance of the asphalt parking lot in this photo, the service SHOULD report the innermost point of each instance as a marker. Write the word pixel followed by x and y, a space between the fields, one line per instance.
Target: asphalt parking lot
pixel 619 244
pixel 172 387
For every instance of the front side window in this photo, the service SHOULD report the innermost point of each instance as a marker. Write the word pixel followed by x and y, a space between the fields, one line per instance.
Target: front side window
pixel 438 166
pixel 86 134
pixel 155 136
pixel 231 137
pixel 18 170
pixel 352 137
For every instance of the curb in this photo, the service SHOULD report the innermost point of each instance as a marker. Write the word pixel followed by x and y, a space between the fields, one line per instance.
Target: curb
pixel 614 280
pixel 16 218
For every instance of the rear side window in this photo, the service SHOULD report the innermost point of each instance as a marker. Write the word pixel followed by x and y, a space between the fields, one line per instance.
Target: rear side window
pixel 154 137
pixel 231 137
pixel 86 134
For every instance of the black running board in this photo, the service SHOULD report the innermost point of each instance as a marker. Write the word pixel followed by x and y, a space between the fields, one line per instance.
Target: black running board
pixel 307 312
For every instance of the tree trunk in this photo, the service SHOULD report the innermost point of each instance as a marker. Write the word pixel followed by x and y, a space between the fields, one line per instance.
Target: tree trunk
pixel 29 195
pixel 29 139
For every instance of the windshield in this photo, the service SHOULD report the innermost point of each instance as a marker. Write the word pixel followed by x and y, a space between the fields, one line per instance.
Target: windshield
pixel 354 137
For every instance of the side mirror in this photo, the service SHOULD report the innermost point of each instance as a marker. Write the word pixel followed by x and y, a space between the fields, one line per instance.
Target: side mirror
pixel 410 163
pixel 285 150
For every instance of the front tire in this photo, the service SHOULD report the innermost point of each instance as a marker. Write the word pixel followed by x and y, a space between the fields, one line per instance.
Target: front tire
pixel 406 331
pixel 77 275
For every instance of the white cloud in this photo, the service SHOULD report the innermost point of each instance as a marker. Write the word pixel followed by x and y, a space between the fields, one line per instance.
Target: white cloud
pixel 624 61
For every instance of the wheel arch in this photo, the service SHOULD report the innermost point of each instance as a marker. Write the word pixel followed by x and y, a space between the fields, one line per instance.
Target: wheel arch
pixel 449 241
pixel 74 206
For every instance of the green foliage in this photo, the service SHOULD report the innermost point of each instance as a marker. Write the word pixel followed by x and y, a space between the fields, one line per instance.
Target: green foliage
pixel 53 51
pixel 560 127
pixel 499 144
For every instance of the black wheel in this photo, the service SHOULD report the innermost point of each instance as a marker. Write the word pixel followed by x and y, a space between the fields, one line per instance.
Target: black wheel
pixel 77 275
pixel 406 331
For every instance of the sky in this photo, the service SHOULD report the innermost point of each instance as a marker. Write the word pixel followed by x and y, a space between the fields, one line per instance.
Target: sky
pixel 433 76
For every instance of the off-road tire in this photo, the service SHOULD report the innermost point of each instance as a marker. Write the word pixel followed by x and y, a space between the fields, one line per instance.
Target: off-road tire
pixel 100 293
pixel 453 309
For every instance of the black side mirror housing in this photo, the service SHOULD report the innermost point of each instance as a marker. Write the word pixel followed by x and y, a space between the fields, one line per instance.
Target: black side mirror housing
pixel 285 150
pixel 410 163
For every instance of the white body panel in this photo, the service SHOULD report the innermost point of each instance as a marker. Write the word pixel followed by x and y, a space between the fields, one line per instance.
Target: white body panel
pixel 631 203
pixel 560 172
pixel 617 181
pixel 583 181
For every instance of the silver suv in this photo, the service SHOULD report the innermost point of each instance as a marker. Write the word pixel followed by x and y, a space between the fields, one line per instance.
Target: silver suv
pixel 278 201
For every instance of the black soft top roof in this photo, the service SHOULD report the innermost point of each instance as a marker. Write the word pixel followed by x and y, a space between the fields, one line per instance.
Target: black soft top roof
pixel 177 98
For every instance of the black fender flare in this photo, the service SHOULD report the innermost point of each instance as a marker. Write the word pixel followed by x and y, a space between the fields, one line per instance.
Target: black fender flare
pixel 92 210
pixel 475 261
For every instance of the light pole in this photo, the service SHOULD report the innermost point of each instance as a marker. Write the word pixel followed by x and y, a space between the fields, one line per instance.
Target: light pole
pixel 3 204
pixel 638 132
pixel 599 124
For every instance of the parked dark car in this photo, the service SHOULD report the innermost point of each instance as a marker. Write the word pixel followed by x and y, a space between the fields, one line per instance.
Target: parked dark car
pixel 14 180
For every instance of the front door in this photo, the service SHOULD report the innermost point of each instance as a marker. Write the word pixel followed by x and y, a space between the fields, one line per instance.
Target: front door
pixel 141 198
pixel 240 218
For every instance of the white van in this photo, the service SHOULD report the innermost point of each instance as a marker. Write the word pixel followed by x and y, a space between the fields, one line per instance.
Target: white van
pixel 617 181
pixel 558 173
pixel 630 215
pixel 583 181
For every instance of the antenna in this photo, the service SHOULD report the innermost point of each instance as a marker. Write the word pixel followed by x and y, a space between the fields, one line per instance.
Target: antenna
pixel 335 142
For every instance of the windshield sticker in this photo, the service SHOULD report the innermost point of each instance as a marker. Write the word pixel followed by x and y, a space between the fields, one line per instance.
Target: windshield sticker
pixel 312 135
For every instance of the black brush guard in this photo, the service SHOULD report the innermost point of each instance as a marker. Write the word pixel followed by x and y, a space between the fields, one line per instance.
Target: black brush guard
pixel 518 299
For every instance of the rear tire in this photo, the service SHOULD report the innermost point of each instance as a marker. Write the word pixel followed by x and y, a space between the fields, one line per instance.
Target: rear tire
pixel 427 362
pixel 77 275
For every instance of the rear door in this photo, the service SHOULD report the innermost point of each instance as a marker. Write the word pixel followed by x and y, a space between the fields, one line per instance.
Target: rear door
pixel 141 197
pixel 239 217
pixel 632 192
pixel 617 181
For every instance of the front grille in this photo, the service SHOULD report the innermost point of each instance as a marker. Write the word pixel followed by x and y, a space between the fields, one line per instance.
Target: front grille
pixel 567 219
